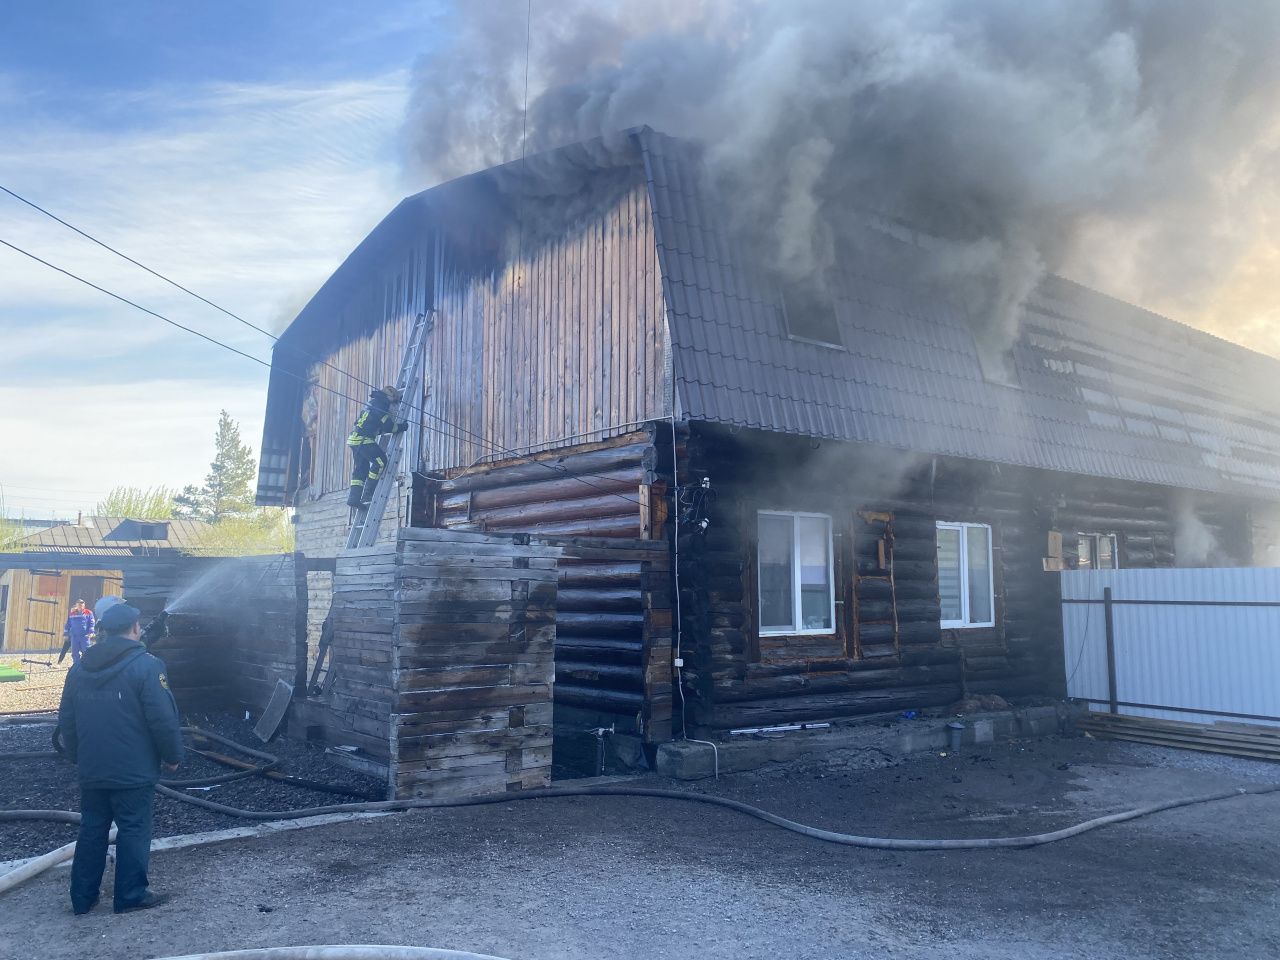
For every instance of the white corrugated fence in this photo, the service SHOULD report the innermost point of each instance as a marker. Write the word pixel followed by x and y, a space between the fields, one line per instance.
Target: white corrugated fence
pixel 1198 645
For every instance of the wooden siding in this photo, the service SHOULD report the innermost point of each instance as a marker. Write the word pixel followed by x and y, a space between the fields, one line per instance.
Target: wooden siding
pixel 373 327
pixel 560 344
pixel 442 659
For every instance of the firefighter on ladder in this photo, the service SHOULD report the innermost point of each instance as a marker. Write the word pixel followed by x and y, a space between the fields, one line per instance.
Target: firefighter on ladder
pixel 368 459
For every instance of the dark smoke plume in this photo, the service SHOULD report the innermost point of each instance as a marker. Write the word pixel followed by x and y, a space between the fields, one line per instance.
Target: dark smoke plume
pixel 1119 141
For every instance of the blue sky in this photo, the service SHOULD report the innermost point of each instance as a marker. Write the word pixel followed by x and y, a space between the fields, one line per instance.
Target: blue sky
pixel 242 148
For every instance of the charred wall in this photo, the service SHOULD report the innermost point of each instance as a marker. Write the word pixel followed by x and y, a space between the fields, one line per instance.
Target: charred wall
pixel 234 636
pixel 889 651
pixel 605 506
pixel 539 339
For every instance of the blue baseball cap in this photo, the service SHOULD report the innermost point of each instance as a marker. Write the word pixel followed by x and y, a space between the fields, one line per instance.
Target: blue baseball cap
pixel 119 616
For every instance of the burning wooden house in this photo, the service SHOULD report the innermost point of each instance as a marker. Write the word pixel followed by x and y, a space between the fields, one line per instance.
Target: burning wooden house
pixel 859 510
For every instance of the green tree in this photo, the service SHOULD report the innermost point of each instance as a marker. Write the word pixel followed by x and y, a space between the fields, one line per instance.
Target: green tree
pixel 10 532
pixel 228 489
pixel 266 530
pixel 137 503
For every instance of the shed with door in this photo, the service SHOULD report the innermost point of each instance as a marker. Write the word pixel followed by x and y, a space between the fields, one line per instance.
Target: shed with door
pixel 36 597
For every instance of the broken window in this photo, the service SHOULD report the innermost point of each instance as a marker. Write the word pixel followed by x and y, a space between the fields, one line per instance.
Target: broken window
pixel 965 580
pixel 810 312
pixel 1097 551
pixel 797 592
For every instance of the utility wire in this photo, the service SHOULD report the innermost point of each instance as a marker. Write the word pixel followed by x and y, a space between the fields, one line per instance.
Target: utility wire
pixel 221 309
pixel 136 306
pixel 203 336
pixel 140 265
pixel 295 376
pixel 16 486
pixel 420 409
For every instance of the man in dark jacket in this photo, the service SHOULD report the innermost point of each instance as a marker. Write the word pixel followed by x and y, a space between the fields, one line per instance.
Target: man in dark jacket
pixel 368 459
pixel 119 724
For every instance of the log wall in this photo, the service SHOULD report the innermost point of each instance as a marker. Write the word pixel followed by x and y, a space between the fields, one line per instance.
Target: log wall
pixel 613 636
pixel 321 528
pixel 888 651
pixel 605 505
pixel 474 664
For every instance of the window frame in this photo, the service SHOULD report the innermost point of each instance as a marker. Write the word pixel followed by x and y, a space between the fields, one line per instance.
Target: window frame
pixel 790 324
pixel 963 529
pixel 153 529
pixel 1094 540
pixel 796 631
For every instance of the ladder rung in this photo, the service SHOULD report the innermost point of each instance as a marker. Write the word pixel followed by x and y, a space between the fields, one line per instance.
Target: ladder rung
pixel 382 490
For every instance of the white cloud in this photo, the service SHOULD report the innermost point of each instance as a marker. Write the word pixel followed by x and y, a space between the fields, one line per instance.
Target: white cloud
pixel 82 440
pixel 249 194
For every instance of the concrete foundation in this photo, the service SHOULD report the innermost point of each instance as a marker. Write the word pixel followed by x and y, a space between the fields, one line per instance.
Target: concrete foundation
pixel 694 760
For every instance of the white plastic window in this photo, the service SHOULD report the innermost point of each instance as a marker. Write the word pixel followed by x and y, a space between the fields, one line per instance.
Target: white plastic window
pixel 796 582
pixel 1097 551
pixel 965 584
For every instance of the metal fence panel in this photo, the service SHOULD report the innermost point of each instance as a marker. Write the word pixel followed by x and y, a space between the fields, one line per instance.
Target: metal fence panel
pixel 1215 662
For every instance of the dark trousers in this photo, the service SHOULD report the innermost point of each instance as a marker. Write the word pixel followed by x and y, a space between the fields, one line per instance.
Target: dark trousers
pixel 131 811
pixel 77 648
pixel 368 460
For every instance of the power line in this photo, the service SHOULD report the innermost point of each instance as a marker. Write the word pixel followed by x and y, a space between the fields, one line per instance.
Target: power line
pixel 295 376
pixel 203 336
pixel 17 486
pixel 420 409
pixel 465 433
pixel 35 498
pixel 136 306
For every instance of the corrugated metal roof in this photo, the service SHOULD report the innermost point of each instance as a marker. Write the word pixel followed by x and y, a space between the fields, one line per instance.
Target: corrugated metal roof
pixel 114 536
pixel 1104 388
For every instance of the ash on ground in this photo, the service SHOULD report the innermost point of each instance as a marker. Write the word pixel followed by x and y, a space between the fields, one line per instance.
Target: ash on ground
pixel 50 783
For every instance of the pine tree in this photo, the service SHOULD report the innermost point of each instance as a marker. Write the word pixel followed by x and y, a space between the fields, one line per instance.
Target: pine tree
pixel 228 489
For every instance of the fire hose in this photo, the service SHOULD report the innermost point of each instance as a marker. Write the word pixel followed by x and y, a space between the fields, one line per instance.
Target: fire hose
pixel 830 836
pixel 266 768
pixel 336 951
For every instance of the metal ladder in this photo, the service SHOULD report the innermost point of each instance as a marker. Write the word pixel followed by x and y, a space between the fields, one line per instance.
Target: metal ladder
pixel 368 517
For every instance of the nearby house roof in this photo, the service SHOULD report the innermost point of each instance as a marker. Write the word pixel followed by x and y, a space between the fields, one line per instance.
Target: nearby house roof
pixel 117 536
pixel 1103 388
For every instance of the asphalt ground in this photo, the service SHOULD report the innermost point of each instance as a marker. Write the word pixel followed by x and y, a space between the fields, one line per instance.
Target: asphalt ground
pixel 638 878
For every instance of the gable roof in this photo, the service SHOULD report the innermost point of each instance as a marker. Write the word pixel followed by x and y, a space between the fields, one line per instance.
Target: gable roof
pixel 1104 388
pixel 116 536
